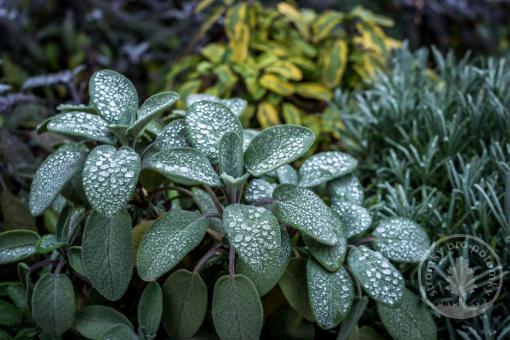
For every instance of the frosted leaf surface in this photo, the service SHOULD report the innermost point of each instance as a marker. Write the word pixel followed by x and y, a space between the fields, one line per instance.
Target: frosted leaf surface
pixel 207 122
pixel 76 107
pixel 52 176
pixel 16 245
pixel 110 177
pixel 248 135
pixel 259 189
pixel 231 155
pixel 330 257
pixel 276 146
pixel 330 294
pixel 346 189
pixel 185 165
pixel 287 175
pixel 356 219
pixel 198 97
pixel 172 136
pixel 82 124
pixel 206 205
pixel 114 97
pixel 401 239
pixel 167 241
pixel 302 209
pixel 235 105
pixel 255 234
pixel 378 277
pixel 324 167
pixel 153 106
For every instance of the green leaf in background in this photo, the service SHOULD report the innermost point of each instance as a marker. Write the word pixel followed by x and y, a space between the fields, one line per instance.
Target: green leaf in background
pixel 277 146
pixel 9 314
pixel 185 166
pixel 119 332
pixel 74 255
pixel 113 96
pixel 53 303
pixel 184 304
pixel 236 308
pixel 82 124
pixel 302 209
pixel 167 241
pixel 259 189
pixel 287 175
pixel 51 177
pixel 172 136
pixel 295 288
pixel 150 309
pixel 378 277
pixel 324 167
pixel 207 122
pixel 15 212
pixel 16 245
pixel 355 218
pixel 47 243
pixel 151 107
pixel 69 223
pixel 401 240
pixel 410 320
pixel 107 253
pixel 231 155
pixel 346 189
pixel 330 294
pixel 110 177
pixel 92 321
pixel 330 257
pixel 18 295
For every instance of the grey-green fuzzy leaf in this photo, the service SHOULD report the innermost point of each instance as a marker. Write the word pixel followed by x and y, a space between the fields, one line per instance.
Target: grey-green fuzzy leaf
pixel 9 315
pixel 330 257
pixel 16 245
pixel 119 332
pixel 235 105
pixel 259 189
pixel 172 136
pixel 151 107
pixel 355 218
pixel 82 124
pixel 150 309
pixel 231 155
pixel 295 288
pixel 92 321
pixel 287 175
pixel 347 188
pixel 324 167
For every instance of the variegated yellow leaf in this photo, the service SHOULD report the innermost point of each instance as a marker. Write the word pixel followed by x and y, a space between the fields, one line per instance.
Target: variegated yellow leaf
pixel 214 52
pixel 294 16
pixel 291 114
pixel 313 90
pixel 324 24
pixel 239 43
pixel 267 115
pixel 235 16
pixel 276 84
pixel 285 69
pixel 334 62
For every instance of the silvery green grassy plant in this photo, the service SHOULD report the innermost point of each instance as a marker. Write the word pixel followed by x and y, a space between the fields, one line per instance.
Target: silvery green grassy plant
pixel 206 208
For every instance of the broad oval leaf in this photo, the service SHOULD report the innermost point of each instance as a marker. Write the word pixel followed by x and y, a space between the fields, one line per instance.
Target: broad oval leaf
pixel 346 189
pixel 330 257
pixel 167 241
pixel 330 294
pixel 185 304
pixel 15 245
pixel 107 253
pixel 410 320
pixel 401 240
pixel 119 332
pixel 259 189
pixel 295 288
pixel 235 105
pixel 378 277
pixel 231 155
pixel 82 124
pixel 48 243
pixel 113 96
pixel 248 135
pixel 151 107
pixel 236 308
pixel 324 167
pixel 207 122
pixel 92 321
pixel 185 166
pixel 172 136
pixel 355 218
pixel 287 175
pixel 53 303
pixel 276 146
pixel 110 177
pixel 302 209
pixel 52 176
pixel 150 309
pixel 9 316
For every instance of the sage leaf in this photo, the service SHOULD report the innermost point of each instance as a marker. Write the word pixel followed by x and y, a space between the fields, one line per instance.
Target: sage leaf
pixel 53 303
pixel 9 315
pixel 236 308
pixel 172 136
pixel 185 165
pixel 184 303
pixel 119 332
pixel 167 241
pixel 330 257
pixel 302 209
pixel 206 205
pixel 330 294
pixel 248 135
pixel 106 253
pixel 110 177
pixel 346 189
pixel 52 176
pixel 355 218
pixel 410 320
pixel 113 96
pixel 324 167
pixel 287 175
pixel 16 245
pixel 401 240
pixel 92 321
pixel 295 288
pixel 377 276
pixel 47 243
pixel 151 107
pixel 276 146
pixel 231 155
pixel 150 309
pixel 82 124
pixel 235 105
pixel 75 261
pixel 259 189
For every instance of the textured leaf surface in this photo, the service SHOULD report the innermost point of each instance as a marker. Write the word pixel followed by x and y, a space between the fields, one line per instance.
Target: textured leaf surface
pixel 287 175
pixel 110 177
pixel 119 332
pixel 259 189
pixel 324 167
pixel 236 308
pixel 236 105
pixel 185 166
pixel 304 210
pixel 330 257
pixel 410 320
pixel 82 124
pixel 157 103
pixel 207 122
pixel 53 303
pixel 295 288
pixel 9 316
pixel 248 135
pixel 47 243
pixel 330 294
pixel 185 304
pixel 231 155
pixel 114 96
pixel 167 241
pixel 172 136
pixel 378 277
pixel 107 253
pixel 51 177
pixel 92 321
pixel 355 218
pixel 400 239
pixel 277 146
pixel 150 309
pixel 346 189
pixel 16 245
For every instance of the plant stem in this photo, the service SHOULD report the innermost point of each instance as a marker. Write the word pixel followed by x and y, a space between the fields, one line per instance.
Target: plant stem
pixel 231 261
pixel 364 240
pixel 170 187
pixel 40 264
pixel 213 251
pixel 217 202
pixel 208 215
pixel 263 201
pixel 60 265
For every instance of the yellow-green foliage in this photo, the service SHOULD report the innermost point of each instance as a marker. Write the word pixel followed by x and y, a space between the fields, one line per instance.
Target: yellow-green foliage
pixel 285 61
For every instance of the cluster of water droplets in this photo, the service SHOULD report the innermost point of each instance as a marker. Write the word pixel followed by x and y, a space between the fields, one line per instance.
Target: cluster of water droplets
pixel 356 219
pixel 82 124
pixel 287 175
pixel 157 103
pixel 235 105
pixel 248 135
pixel 346 188
pixel 331 257
pixel 259 189
pixel 324 167
pixel 172 136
